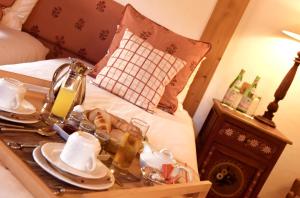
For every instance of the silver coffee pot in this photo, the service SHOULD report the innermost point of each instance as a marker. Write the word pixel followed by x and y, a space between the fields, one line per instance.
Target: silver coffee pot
pixel 73 78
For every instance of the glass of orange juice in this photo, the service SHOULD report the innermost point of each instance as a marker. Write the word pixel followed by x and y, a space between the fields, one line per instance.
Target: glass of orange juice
pixel 63 102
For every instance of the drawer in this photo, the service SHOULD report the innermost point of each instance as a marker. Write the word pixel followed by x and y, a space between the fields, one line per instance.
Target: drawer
pixel 244 141
pixel 232 174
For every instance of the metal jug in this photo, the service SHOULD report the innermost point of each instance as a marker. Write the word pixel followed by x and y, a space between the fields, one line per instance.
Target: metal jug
pixel 76 73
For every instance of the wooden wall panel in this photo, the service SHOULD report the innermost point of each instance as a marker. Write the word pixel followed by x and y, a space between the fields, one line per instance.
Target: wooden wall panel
pixel 218 32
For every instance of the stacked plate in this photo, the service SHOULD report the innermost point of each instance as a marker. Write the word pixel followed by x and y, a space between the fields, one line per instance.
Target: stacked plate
pixel 24 114
pixel 47 157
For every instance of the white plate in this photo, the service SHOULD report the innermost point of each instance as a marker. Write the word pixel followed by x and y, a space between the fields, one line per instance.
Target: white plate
pixel 51 151
pixel 18 120
pixel 25 108
pixel 44 164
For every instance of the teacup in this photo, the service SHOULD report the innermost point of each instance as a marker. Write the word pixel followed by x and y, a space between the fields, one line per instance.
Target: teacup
pixel 80 151
pixel 12 93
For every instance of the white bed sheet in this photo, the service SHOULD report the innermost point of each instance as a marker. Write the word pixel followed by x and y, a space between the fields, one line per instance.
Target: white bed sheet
pixel 174 132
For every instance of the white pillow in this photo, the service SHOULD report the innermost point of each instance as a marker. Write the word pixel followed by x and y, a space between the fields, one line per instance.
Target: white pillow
pixel 15 16
pixel 138 72
pixel 19 47
pixel 182 95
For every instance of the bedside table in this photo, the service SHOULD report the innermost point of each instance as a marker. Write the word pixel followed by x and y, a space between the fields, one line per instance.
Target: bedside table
pixel 236 153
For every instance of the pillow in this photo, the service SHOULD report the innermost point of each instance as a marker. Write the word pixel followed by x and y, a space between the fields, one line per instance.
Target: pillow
pixel 18 47
pixel 138 72
pixel 15 16
pixel 4 4
pixel 182 95
pixel 165 40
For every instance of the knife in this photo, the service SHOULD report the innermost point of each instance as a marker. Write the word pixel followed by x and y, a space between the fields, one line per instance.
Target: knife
pixel 60 132
pixel 11 125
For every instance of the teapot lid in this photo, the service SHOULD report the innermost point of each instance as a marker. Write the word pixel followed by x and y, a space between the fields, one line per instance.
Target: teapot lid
pixel 79 68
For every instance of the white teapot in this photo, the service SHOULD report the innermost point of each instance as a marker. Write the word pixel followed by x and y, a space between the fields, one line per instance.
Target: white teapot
pixel 155 159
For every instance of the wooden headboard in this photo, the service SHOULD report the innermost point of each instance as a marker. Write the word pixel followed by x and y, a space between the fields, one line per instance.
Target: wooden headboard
pixel 95 38
pixel 218 31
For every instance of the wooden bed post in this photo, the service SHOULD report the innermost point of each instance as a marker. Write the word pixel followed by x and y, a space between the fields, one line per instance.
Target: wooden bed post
pixel 218 32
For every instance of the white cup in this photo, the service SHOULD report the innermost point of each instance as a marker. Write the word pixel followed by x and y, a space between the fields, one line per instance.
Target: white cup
pixel 80 151
pixel 12 93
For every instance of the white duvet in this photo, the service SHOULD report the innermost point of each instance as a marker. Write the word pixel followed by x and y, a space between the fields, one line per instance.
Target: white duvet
pixel 174 132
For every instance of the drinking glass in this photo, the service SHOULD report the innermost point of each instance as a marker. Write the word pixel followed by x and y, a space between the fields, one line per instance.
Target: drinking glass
pixel 128 149
pixel 104 139
pixel 142 125
pixel 87 126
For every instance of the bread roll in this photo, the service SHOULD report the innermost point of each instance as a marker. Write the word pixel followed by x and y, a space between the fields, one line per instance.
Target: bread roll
pixel 102 121
pixel 106 121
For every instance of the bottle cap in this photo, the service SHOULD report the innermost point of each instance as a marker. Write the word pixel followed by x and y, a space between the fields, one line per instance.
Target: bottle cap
pixel 78 108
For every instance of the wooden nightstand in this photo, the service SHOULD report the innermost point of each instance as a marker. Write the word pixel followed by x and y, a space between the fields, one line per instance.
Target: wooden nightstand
pixel 236 153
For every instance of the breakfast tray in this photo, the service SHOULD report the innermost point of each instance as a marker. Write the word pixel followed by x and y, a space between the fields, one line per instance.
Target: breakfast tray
pixel 41 184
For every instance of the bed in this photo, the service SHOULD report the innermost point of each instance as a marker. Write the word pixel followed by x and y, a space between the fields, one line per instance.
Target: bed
pixel 180 133
pixel 178 137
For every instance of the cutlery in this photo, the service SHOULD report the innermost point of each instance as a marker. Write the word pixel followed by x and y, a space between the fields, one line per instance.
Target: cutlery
pixel 61 132
pixel 16 145
pixel 59 190
pixel 11 125
pixel 46 131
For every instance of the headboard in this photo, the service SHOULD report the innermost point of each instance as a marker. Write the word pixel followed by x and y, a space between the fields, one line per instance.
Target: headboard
pixel 89 40
pixel 69 29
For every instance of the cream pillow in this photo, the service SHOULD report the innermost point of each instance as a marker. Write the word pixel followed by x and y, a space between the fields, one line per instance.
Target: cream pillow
pixel 182 95
pixel 15 16
pixel 19 47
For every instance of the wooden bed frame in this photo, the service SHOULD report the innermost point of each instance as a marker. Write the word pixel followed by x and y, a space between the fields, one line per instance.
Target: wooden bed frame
pixel 218 31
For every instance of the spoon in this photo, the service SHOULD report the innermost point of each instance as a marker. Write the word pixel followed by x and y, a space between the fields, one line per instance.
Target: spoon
pixel 45 131
pixel 17 145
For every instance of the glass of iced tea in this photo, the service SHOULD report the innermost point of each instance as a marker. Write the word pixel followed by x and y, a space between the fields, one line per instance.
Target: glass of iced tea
pixel 128 149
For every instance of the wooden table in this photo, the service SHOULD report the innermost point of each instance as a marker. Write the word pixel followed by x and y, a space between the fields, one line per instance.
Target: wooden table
pixel 236 152
pixel 40 183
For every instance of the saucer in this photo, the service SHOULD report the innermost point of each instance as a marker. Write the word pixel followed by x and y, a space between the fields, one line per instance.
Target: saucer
pixel 16 120
pixel 95 184
pixel 25 108
pixel 51 151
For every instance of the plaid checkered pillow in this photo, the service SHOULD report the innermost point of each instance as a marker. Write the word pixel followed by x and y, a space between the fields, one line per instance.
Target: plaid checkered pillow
pixel 138 72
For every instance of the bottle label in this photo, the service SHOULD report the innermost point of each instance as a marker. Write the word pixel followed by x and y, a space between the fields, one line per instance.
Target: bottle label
pixel 244 104
pixel 231 97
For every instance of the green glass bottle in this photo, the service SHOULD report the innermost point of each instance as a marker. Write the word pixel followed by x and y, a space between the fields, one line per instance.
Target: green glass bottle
pixel 248 96
pixel 232 95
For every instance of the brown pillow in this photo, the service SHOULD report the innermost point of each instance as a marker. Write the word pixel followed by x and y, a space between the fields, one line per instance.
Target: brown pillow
pixel 189 50
pixel 6 3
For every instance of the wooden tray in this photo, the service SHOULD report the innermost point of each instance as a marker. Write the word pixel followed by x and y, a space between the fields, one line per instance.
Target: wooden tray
pixel 40 183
